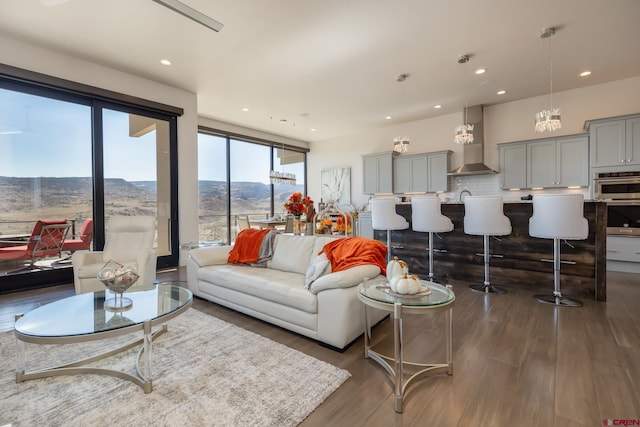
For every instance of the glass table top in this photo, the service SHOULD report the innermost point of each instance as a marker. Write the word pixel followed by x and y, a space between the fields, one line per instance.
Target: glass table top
pixel 85 314
pixel 378 290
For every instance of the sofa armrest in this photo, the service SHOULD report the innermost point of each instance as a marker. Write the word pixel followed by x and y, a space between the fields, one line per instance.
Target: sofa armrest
pixel 345 279
pixel 210 256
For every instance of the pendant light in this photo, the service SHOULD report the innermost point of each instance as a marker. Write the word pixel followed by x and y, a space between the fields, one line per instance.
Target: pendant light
pixel 282 177
pixel 464 132
pixel 401 143
pixel 548 120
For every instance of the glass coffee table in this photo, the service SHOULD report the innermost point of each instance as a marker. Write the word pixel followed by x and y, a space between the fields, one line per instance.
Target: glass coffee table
pixel 376 294
pixel 83 317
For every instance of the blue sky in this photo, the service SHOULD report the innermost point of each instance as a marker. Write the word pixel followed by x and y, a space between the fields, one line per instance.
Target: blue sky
pixel 55 141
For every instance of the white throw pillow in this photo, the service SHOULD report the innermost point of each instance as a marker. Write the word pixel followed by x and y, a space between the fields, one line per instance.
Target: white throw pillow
pixel 318 267
pixel 345 278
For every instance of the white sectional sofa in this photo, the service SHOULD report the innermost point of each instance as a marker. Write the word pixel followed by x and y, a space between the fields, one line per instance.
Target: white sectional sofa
pixel 329 311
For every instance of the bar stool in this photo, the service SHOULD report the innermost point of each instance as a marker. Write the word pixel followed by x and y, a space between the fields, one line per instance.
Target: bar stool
pixel 483 216
pixel 558 216
pixel 426 216
pixel 384 217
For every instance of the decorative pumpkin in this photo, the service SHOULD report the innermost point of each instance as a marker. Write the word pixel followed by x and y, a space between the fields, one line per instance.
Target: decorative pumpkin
pixel 406 284
pixel 396 267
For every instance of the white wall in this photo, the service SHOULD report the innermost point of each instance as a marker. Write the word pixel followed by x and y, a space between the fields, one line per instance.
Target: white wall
pixel 513 121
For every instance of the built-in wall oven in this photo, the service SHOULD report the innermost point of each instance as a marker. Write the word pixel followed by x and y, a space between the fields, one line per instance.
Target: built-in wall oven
pixel 621 190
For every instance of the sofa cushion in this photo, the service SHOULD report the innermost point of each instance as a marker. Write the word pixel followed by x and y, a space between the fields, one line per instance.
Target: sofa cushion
pixel 345 278
pixel 282 287
pixel 292 253
pixel 319 266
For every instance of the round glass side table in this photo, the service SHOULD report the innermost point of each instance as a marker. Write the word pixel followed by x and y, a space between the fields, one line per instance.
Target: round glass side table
pixel 376 294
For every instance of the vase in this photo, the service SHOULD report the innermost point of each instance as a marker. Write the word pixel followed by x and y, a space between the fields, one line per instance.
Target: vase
pixel 296 225
pixel 117 278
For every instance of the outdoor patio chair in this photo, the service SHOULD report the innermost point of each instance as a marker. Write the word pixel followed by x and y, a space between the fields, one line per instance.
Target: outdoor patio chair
pixel 83 240
pixel 45 241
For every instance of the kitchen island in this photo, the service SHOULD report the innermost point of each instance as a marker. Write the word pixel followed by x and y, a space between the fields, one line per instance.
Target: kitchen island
pixel 518 259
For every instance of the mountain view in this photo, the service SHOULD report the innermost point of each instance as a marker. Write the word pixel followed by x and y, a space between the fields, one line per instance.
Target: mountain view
pixel 25 200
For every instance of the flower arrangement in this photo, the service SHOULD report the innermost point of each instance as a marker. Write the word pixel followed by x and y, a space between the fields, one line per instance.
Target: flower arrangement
pixel 341 226
pixel 297 205
pixel 324 226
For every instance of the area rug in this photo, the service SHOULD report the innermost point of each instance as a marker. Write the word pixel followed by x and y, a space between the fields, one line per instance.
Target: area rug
pixel 206 372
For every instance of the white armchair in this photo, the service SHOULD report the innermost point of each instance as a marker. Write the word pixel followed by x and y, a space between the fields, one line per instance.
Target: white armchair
pixel 129 241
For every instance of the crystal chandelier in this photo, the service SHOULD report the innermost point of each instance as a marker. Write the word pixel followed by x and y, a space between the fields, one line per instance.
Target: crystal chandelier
pixel 548 120
pixel 282 177
pixel 401 143
pixel 463 133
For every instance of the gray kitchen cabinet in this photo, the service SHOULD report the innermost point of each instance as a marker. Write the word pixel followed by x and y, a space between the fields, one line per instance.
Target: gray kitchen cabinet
pixel 426 172
pixel 562 162
pixel 615 142
pixel 513 166
pixel 377 173
pixel 572 161
pixel 439 166
pixel 545 163
pixel 410 173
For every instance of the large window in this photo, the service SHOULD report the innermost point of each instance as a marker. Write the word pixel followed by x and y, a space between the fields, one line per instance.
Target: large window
pixel 70 155
pixel 233 181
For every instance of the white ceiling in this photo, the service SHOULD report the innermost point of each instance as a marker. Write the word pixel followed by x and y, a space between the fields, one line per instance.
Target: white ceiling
pixel 332 64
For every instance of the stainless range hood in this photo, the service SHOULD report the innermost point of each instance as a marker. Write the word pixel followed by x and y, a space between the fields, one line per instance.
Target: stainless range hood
pixel 473 155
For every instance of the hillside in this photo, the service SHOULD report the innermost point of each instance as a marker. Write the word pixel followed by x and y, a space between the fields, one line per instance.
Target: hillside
pixel 25 200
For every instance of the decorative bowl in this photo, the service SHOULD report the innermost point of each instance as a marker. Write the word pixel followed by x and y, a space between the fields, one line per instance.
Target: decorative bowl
pixel 117 278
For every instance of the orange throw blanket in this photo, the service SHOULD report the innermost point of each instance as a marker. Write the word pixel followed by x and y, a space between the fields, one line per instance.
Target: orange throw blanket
pixel 246 249
pixel 352 251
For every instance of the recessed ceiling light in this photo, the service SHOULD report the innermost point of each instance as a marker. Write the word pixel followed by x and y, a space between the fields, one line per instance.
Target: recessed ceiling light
pixel 388 118
pixel 165 62
pixel 437 106
pixel 501 92
pixel 585 73
pixel 312 129
pixel 245 109
pixel 481 71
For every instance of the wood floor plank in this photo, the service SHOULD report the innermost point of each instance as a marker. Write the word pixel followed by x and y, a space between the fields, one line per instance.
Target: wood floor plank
pixel 575 387
pixel 510 346
pixel 632 365
pixel 535 391
pixel 516 361
pixel 489 405
pixel 617 398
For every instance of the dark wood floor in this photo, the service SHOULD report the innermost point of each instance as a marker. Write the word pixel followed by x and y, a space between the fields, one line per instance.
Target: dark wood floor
pixel 517 362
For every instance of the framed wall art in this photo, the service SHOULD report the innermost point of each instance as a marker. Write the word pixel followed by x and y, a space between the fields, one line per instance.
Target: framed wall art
pixel 336 185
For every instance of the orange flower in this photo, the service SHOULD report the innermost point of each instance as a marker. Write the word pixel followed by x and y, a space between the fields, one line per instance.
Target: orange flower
pixel 296 205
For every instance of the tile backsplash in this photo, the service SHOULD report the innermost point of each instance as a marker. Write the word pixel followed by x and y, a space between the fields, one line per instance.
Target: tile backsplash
pixel 480 185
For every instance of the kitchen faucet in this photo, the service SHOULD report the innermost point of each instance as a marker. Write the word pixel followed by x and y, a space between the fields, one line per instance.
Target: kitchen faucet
pixel 464 191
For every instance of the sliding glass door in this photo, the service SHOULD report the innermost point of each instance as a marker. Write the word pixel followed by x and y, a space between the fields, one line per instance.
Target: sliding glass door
pixel 69 157
pixel 136 164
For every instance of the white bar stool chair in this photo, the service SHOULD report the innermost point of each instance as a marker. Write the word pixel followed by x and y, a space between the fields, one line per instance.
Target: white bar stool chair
pixel 558 216
pixel 384 217
pixel 426 216
pixel 484 216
